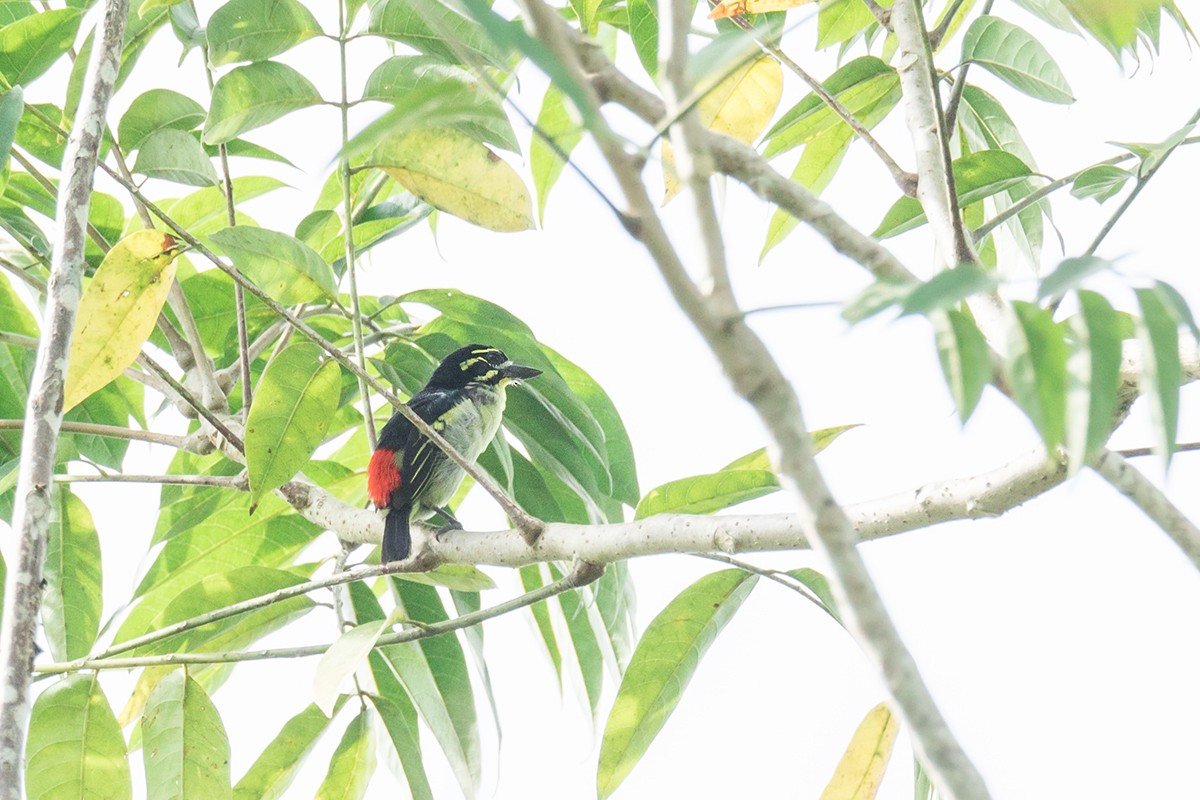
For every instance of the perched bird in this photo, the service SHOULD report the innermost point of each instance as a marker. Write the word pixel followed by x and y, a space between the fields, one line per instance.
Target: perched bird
pixel 409 475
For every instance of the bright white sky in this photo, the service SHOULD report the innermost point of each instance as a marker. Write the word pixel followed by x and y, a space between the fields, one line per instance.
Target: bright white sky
pixel 1059 640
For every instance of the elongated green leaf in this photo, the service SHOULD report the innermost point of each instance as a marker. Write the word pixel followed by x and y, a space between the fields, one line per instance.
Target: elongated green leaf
pixel 818 584
pixel 817 165
pixel 1093 374
pixel 965 358
pixel 175 156
pixel 442 29
pixel 393 703
pixel 281 265
pixel 251 30
pixel 948 288
pixel 989 127
pixel 546 162
pixel 1101 182
pixel 12 106
pixel 531 578
pixel 1158 333
pixel 273 771
pixel 663 664
pixel 841 21
pixel 352 764
pixel 458 175
pixel 430 93
pixel 1038 370
pixel 976 176
pixel 118 311
pixel 155 110
pixel 75 748
pixel 31 45
pixel 295 400
pixel 863 85
pixel 439 664
pixel 185 750
pixel 72 602
pixel 585 642
pixel 1020 60
pixel 251 96
pixel 860 770
pixel 1069 273
pixel 643 30
pixel 342 660
pixel 216 591
pixel 745 479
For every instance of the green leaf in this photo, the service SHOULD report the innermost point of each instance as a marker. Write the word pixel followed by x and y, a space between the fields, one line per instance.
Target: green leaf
pixel 273 771
pixel 1052 12
pixel 185 750
pixel 532 578
pixel 1070 273
pixel 281 265
pixel 12 106
pixel 643 31
pixel 1093 376
pixel 989 127
pixel 175 156
pixel 251 30
pixel 31 45
pixel 817 165
pixel 352 764
pixel 434 671
pixel 219 590
pixel 1100 182
pixel 72 601
pixel 1121 26
pixel 1018 59
pixel 75 748
pixel 863 86
pixel 545 163
pixel 976 176
pixel 1038 370
pixel 459 577
pixel 393 704
pixel 818 584
pixel 1178 305
pixel 963 353
pixel 1161 377
pixel 876 298
pixel 156 110
pixel 948 288
pixel 429 92
pixel 585 641
pixel 295 400
pixel 663 664
pixel 841 21
pixel 251 96
pixel 442 29
pixel 204 210
pixel 342 660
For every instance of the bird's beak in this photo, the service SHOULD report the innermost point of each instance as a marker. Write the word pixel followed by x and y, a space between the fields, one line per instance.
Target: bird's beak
pixel 516 372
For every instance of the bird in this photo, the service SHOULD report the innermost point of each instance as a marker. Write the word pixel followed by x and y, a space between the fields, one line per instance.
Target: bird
pixel 409 476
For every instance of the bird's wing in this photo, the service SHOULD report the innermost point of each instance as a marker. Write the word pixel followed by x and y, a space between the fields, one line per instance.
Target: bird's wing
pixel 417 455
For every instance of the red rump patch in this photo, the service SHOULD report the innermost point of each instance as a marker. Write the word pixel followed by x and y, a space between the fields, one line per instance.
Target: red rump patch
pixel 383 477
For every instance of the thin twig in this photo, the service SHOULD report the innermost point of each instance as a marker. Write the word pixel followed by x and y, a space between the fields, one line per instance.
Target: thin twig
pixel 581 575
pixel 960 80
pixel 782 578
pixel 218 481
pixel 114 432
pixel 1127 480
pixel 201 408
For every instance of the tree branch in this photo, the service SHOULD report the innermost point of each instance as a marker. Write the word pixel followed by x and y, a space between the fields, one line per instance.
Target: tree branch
pixel 43 416
pixel 1127 480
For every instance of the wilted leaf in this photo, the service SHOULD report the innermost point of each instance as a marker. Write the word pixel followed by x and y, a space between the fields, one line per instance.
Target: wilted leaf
pixel 861 769
pixel 118 311
pixel 740 8
pixel 458 175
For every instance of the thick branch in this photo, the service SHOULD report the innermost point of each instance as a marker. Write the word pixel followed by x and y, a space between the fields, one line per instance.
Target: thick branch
pixel 43 416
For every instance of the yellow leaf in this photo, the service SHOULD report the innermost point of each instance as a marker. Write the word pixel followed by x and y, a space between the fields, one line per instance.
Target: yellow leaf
pixel 457 174
pixel 860 771
pixel 118 311
pixel 740 8
pixel 740 106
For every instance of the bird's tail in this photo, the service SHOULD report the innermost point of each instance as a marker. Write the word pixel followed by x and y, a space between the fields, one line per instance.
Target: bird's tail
pixel 397 541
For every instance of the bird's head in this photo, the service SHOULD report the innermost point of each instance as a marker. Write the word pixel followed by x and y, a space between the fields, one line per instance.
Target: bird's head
pixel 478 365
